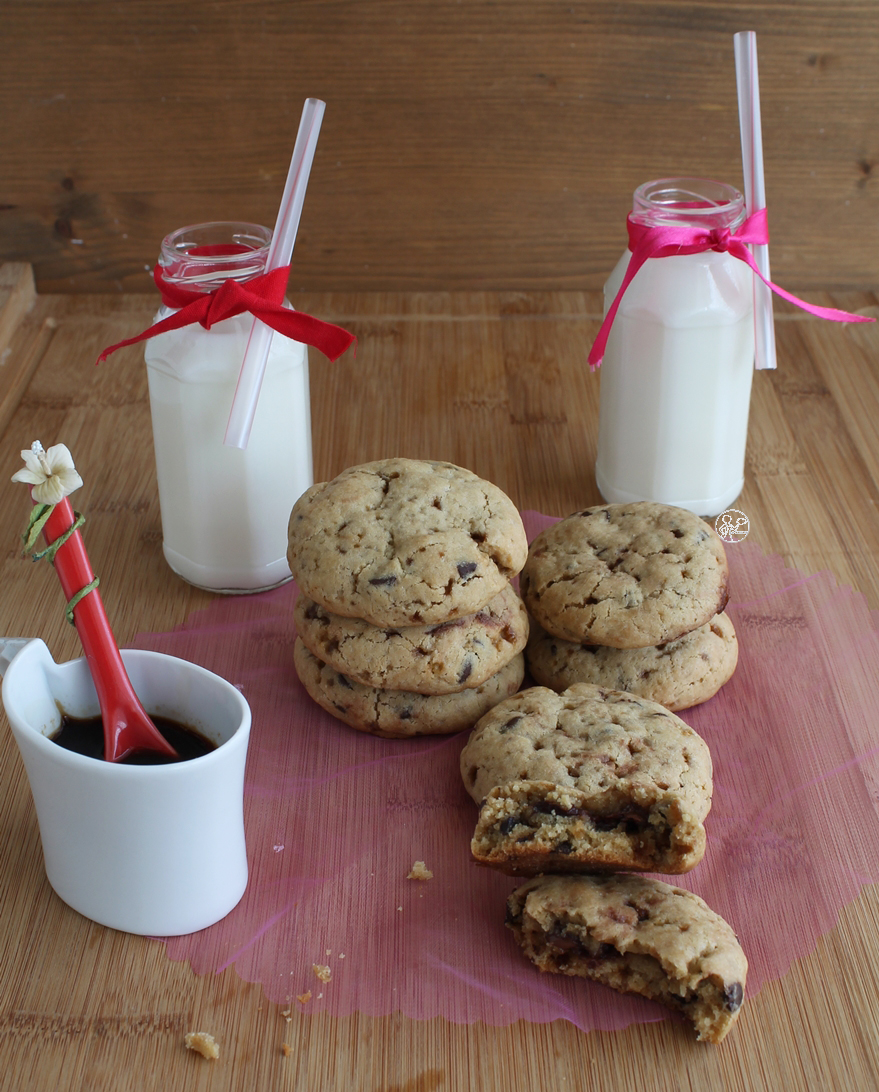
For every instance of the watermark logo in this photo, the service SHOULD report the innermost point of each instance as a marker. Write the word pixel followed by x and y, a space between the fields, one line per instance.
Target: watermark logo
pixel 732 525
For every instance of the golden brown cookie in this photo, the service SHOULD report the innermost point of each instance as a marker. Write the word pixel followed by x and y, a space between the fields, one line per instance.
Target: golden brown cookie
pixel 442 658
pixel 636 935
pixel 625 575
pixel 400 714
pixel 405 542
pixel 678 674
pixel 587 780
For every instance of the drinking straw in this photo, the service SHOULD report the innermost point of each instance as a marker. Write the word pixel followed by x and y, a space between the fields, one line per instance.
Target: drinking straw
pixel 750 128
pixel 253 366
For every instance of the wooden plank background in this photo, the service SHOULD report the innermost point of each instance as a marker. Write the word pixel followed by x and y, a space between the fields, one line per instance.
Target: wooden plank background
pixel 467 145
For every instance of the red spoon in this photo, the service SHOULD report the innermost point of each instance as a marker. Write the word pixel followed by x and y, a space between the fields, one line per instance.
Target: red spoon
pixel 127 727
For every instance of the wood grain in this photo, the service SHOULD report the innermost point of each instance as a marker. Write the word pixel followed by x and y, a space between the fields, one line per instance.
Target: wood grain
pixel 496 381
pixel 466 146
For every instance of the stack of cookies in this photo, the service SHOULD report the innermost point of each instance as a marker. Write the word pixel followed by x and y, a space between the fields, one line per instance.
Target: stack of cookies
pixel 631 596
pixel 407 623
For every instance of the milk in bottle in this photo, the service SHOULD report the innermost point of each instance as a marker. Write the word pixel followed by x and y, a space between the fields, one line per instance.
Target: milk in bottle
pixel 677 369
pixel 224 509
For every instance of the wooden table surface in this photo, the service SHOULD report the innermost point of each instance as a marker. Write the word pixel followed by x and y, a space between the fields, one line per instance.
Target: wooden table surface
pixel 495 381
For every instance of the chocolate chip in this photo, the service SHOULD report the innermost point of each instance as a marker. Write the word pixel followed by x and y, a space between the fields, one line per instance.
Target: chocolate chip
pixel 406 714
pixel 466 568
pixel 632 820
pixel 507 825
pixel 511 723
pixel 383 581
pixel 642 912
pixel 565 848
pixel 456 623
pixel 465 672
pixel 546 807
pixel 733 996
pixel 564 942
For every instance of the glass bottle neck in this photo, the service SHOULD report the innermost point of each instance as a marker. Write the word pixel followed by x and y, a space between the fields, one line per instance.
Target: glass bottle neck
pixel 688 202
pixel 200 257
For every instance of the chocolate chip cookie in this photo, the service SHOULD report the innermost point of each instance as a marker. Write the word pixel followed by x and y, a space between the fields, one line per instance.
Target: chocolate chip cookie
pixel 442 658
pixel 399 714
pixel 625 575
pixel 678 674
pixel 636 935
pixel 405 542
pixel 587 780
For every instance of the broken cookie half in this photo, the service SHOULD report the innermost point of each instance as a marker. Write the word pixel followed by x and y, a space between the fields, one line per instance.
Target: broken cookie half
pixel 636 935
pixel 587 780
pixel 528 827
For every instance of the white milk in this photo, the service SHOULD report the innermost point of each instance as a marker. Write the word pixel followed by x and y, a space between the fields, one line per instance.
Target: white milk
pixel 224 510
pixel 676 383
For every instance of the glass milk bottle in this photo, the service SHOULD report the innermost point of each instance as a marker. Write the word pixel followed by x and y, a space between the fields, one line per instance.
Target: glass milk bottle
pixel 225 510
pixel 677 369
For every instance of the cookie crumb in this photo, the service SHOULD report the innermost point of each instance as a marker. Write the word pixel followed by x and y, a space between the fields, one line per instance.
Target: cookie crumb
pixel 323 973
pixel 286 1049
pixel 304 998
pixel 420 871
pixel 202 1043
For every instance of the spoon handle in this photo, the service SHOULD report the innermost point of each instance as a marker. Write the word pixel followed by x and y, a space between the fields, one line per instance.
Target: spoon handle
pixel 116 694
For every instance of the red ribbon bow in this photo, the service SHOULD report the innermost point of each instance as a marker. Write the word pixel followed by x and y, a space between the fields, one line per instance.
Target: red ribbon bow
pixel 262 297
pixel 665 241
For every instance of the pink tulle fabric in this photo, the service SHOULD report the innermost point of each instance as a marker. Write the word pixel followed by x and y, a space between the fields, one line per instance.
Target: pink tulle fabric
pixel 335 819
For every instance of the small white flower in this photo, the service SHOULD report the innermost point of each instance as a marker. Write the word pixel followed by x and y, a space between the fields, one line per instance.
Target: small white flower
pixel 51 473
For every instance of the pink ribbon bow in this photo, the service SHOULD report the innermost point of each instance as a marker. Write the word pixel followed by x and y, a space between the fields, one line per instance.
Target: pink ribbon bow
pixel 263 297
pixel 665 241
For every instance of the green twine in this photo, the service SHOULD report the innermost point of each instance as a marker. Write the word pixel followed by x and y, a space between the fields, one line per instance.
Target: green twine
pixel 81 594
pixel 36 522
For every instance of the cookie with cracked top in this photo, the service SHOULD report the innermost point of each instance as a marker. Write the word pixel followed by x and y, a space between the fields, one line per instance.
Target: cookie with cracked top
pixel 626 575
pixel 400 714
pixel 678 674
pixel 585 781
pixel 405 542
pixel 635 935
pixel 442 658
